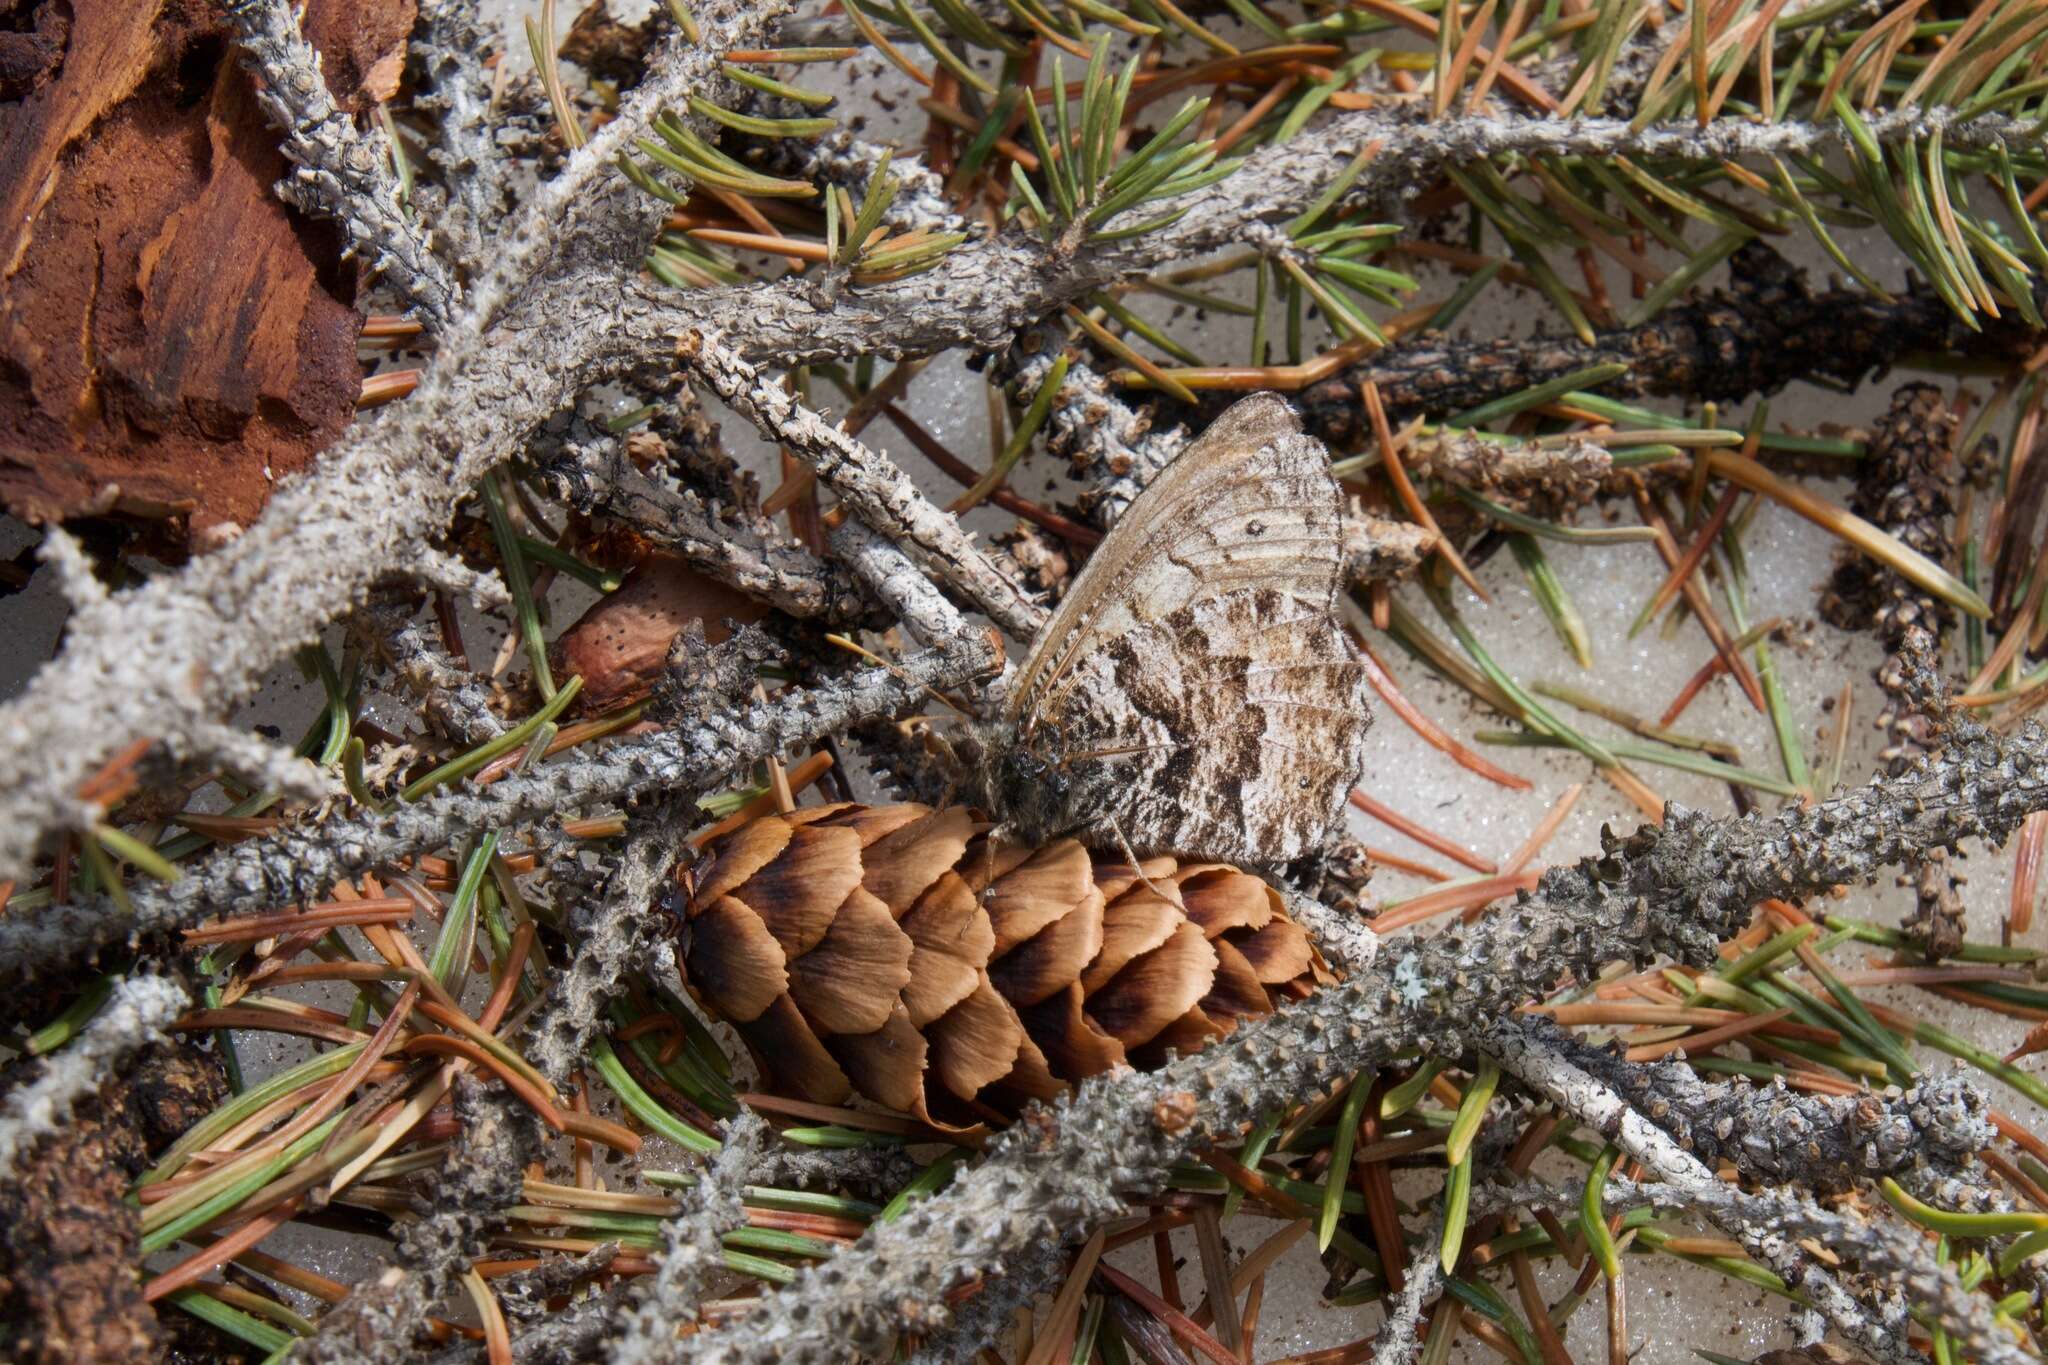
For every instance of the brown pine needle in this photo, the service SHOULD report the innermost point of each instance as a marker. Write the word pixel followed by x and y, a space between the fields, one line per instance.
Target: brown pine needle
pixel 1432 734
pixel 1174 1320
pixel 248 929
pixel 2017 1133
pixel 2026 873
pixel 1887 549
pixel 381 325
pixel 1066 1306
pixel 1461 60
pixel 1627 1012
pixel 1511 77
pixel 388 387
pixel 224 1249
pixel 307 1025
pixel 1545 829
pixel 1253 116
pixel 1685 567
pixel 1695 598
pixel 1385 858
pixel 1714 667
pixel 1699 1042
pixel 862 1119
pixel 795 250
pixel 1460 896
pixel 1390 457
pixel 1394 820
pixel 1490 72
pixel 1536 1311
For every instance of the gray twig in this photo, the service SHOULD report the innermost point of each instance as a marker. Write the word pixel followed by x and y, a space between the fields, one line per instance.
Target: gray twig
pixel 166 659
pixel 879 493
pixel 555 316
pixel 692 1239
pixel 450 46
pixel 134 1016
pixel 1772 1223
pixel 293 865
pixel 342 173
pixel 593 472
pixel 459 1207
pixel 1399 1340
pixel 1777 1134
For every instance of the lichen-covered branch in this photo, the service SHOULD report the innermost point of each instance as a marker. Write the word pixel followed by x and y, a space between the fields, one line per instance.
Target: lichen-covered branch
pixel 556 314
pixel 1773 1133
pixel 594 474
pixel 1772 1223
pixel 451 697
pixel 692 1240
pixel 296 864
pixel 1399 1340
pixel 451 48
pixel 1767 328
pixel 984 294
pixel 1552 478
pixel 341 172
pixel 879 493
pixel 898 584
pixel 1107 443
pixel 459 1207
pixel 610 932
pixel 134 1016
pixel 168 658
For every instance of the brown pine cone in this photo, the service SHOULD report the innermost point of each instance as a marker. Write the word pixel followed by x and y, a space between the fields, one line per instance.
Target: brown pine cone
pixel 897 952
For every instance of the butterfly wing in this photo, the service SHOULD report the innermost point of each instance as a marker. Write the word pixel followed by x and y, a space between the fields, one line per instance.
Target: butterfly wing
pixel 1193 689
pixel 1250 504
pixel 1231 729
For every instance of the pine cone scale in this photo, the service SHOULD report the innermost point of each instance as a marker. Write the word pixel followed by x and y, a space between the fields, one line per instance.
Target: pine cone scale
pixel 952 937
pixel 898 953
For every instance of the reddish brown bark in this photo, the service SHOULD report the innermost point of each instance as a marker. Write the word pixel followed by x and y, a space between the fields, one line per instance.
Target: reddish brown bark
pixel 172 337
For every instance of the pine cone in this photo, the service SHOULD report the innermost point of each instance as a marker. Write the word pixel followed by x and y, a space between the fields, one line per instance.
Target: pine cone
pixel 896 951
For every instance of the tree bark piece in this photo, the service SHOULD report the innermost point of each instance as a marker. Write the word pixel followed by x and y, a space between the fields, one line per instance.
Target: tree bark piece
pixel 176 338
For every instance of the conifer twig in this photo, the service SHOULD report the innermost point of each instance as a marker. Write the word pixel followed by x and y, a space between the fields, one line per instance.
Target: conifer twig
pixel 545 322
pixel 341 173
pixel 594 473
pixel 691 1245
pixel 1771 1223
pixel 878 492
pixel 1826 1142
pixel 134 1016
pixel 462 1204
pixel 293 864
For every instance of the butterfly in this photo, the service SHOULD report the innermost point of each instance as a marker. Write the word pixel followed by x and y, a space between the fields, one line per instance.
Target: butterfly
pixel 1193 694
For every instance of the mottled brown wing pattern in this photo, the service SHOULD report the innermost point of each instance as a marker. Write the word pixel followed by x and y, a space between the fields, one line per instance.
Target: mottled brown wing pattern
pixel 1250 504
pixel 1232 729
pixel 1194 694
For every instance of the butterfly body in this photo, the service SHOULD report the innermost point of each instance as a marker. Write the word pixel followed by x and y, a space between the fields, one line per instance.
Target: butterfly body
pixel 1194 695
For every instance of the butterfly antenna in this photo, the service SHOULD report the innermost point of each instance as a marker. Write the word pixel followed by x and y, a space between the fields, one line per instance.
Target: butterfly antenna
pixel 1136 867
pixel 941 698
